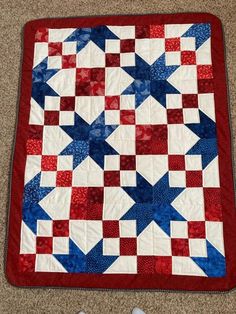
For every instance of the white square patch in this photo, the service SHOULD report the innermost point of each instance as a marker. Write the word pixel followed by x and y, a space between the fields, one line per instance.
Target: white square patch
pixel 60 245
pixel 173 58
pixel 173 101
pixel 112 46
pixel 111 246
pixel 64 162
pixel 48 178
pixel 127 102
pixel 112 162
pixel 112 117
pixel 193 162
pixel 66 117
pixel 187 44
pixel 127 32
pixel 177 179
pixel 44 228
pixel 52 103
pixel 54 62
pixel 198 247
pixel 69 48
pixel 179 229
pixel 191 115
pixel 128 178
pixel 127 59
pixel 128 228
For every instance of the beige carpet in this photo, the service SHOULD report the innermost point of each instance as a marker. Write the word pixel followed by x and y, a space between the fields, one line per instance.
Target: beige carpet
pixel 13 15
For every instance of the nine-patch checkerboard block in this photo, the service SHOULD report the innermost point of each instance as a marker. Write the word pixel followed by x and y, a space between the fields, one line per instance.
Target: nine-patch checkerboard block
pixel 122 169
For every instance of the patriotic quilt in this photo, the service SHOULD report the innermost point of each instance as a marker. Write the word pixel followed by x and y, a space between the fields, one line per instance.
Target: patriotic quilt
pixel 122 171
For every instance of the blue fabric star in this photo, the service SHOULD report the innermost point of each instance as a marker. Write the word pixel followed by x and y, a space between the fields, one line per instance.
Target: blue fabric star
pixel 92 262
pixel 207 144
pixel 41 73
pixel 81 36
pixel 97 34
pixel 201 32
pixel 150 80
pixel 75 261
pixel 32 211
pixel 89 140
pixel 152 203
pixel 79 131
pixel 96 261
pixel 40 89
pixel 214 264
pixel 79 150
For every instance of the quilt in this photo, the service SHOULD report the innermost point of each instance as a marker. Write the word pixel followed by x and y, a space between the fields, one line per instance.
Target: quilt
pixel 122 173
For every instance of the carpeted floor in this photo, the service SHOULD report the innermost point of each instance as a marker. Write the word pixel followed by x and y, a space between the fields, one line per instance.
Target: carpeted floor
pixel 13 15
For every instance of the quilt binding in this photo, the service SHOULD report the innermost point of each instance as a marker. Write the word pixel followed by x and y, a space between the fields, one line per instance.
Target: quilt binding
pixel 137 281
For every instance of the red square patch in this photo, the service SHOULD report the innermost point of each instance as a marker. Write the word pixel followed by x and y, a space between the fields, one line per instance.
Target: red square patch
pixel 157 31
pixel 145 264
pixel 175 116
pixel 196 229
pixel 49 163
pixel 204 72
pixel 127 45
pixel 112 102
pixel 180 247
pixel 27 263
pixel 172 44
pixel 144 132
pixel 193 178
pixel 55 49
pixel 34 147
pixel 44 245
pixel 128 246
pixel 111 178
pixel 64 178
pixel 176 162
pixel 60 228
pixel 67 103
pixel 110 229
pixel 112 59
pixel 142 31
pixel 190 100
pixel 213 207
pixel 68 61
pixel 127 116
pixel 95 195
pixel 163 265
pixel 188 57
pixel 127 162
pixel 205 86
pixel 51 117
pixel 98 74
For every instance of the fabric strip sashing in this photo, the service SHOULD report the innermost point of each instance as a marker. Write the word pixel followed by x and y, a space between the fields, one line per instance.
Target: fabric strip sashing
pixel 122 172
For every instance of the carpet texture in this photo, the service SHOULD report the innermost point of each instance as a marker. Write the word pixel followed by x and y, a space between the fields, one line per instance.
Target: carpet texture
pixel 13 15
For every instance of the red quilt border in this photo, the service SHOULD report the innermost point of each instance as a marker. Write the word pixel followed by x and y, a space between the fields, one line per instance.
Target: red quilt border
pixel 120 281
